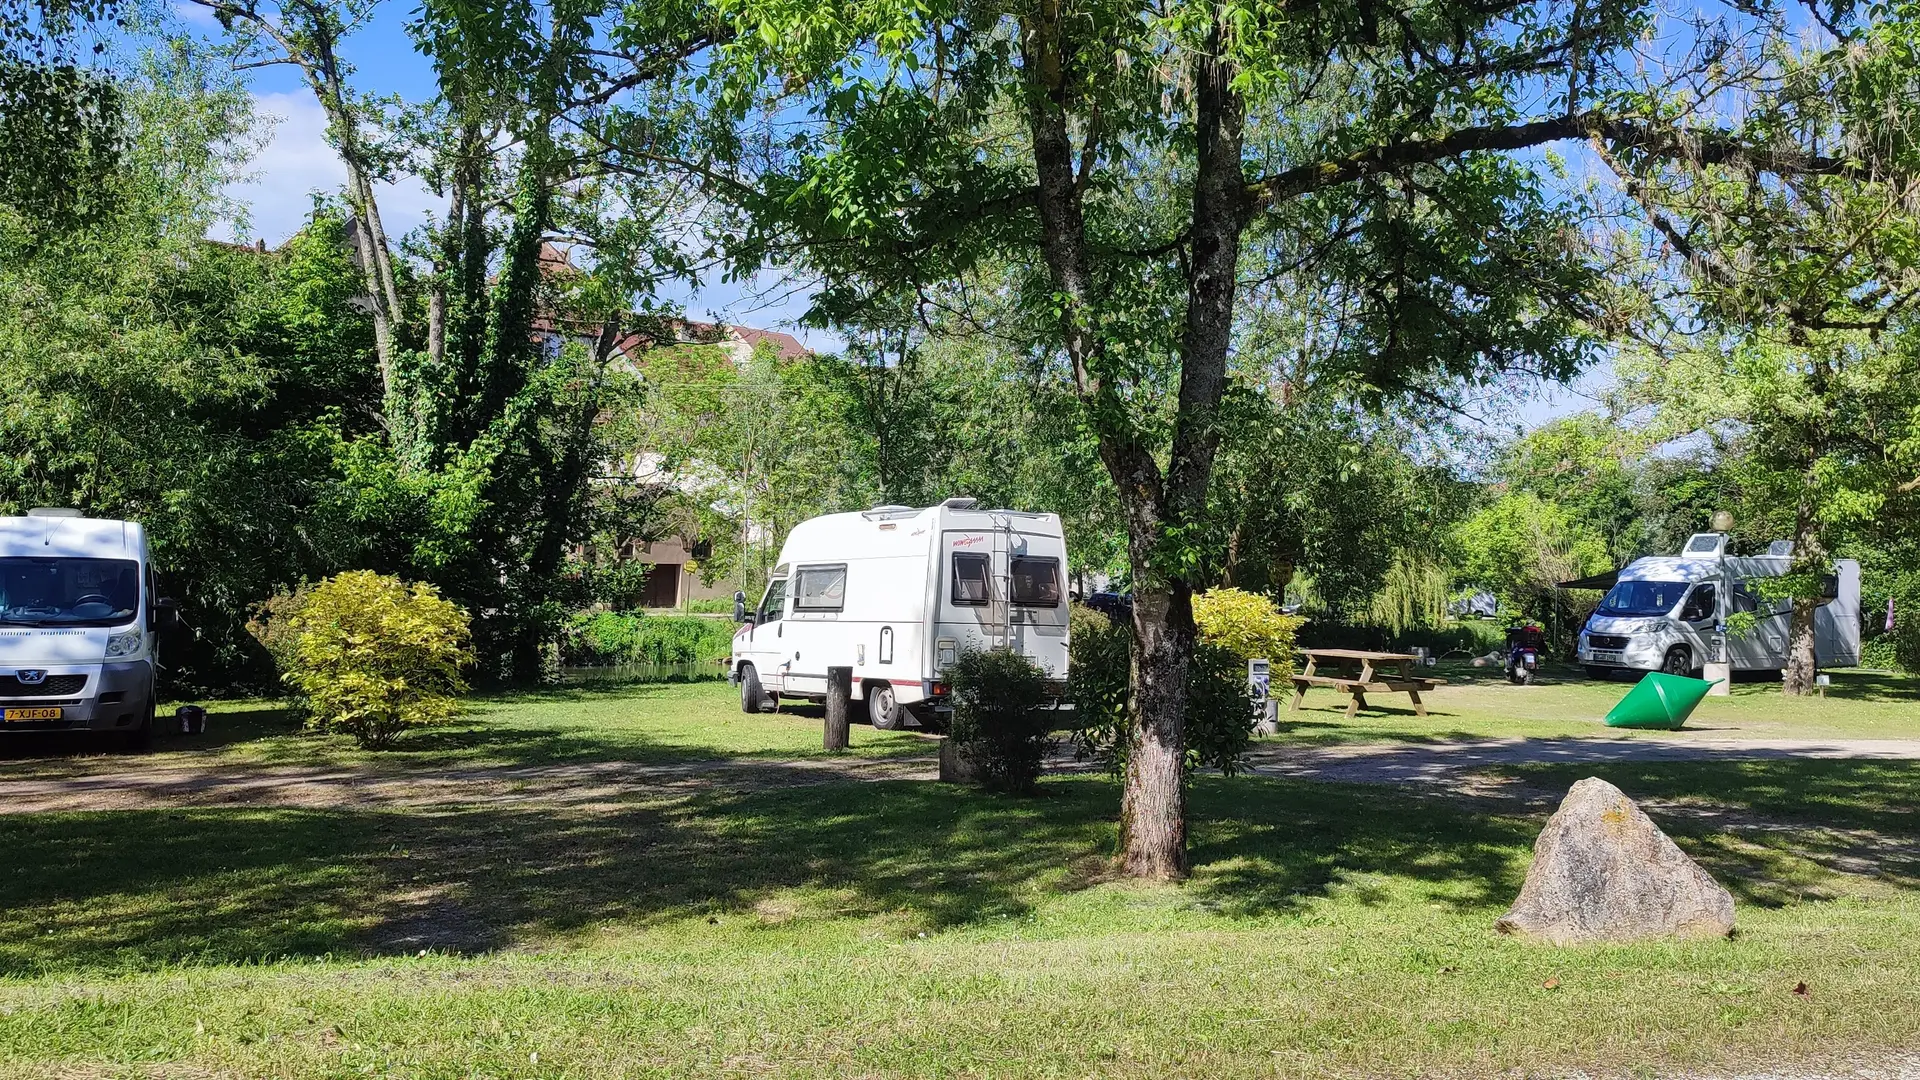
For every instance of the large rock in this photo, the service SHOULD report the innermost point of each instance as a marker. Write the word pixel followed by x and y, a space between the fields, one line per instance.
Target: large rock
pixel 1603 871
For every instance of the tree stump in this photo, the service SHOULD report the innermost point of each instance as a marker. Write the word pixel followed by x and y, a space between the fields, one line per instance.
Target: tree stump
pixel 839 701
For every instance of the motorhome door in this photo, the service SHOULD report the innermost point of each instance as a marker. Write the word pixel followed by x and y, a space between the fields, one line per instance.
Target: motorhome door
pixel 765 639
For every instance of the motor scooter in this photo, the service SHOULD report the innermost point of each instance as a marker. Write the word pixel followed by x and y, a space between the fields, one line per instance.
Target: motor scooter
pixel 1525 645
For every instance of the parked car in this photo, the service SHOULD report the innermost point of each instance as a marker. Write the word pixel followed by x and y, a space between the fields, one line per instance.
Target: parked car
pixel 79 618
pixel 1664 613
pixel 896 593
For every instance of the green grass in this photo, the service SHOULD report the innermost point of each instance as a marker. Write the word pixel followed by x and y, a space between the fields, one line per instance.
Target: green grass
pixel 646 722
pixel 892 929
pixel 1479 703
pixel 915 929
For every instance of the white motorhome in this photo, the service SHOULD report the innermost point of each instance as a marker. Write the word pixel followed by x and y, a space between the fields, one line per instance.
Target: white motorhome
pixel 78 621
pixel 896 593
pixel 1664 613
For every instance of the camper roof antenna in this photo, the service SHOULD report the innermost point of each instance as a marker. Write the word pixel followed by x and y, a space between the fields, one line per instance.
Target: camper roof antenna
pixel 961 502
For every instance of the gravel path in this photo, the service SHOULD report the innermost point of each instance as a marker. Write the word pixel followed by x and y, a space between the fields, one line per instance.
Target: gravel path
pixel 1446 764
pixel 1443 762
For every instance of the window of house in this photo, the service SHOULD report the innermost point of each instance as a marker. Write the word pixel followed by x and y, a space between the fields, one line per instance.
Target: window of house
pixel 1036 582
pixel 820 588
pixel 971 574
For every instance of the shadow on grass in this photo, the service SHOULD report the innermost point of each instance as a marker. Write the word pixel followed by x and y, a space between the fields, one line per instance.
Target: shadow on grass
pixel 136 890
pixel 1759 823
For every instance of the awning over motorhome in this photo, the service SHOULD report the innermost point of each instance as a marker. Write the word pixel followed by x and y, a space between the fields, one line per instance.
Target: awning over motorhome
pixel 1598 582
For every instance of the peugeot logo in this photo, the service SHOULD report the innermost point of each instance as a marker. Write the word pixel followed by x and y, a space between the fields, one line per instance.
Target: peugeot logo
pixel 31 676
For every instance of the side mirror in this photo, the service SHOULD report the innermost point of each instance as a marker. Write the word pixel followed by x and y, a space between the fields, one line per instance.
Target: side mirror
pixel 165 613
pixel 740 607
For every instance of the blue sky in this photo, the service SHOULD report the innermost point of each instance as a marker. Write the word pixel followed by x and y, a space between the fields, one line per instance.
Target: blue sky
pixel 296 163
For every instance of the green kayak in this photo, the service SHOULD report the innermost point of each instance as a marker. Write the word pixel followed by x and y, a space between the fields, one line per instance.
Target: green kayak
pixel 1660 701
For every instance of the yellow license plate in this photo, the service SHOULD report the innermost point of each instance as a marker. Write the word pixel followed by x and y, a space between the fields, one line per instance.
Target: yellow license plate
pixel 34 714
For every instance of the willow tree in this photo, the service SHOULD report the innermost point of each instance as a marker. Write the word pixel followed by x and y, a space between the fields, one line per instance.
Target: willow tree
pixel 1130 153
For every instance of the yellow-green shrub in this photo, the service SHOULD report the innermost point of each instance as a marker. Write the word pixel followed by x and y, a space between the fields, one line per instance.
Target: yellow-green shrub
pixel 375 656
pixel 1247 625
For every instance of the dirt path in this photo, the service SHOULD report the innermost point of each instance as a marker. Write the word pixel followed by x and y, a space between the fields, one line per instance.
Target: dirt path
pixel 1441 764
pixel 580 784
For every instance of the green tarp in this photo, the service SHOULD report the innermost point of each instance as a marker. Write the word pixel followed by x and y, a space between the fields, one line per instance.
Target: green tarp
pixel 1659 701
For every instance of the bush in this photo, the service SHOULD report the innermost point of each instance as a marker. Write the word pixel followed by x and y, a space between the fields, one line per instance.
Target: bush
pixel 629 637
pixel 1247 625
pixel 1219 718
pixel 998 725
pixel 271 623
pixel 375 656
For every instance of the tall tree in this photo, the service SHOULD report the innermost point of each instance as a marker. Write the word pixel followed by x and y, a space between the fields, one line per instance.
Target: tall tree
pixel 1130 152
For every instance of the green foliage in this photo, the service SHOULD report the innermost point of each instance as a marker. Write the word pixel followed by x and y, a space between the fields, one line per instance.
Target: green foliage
pixel 1099 673
pixel 1219 716
pixel 376 657
pixel 615 637
pixel 1414 594
pixel 999 725
pixel 1249 626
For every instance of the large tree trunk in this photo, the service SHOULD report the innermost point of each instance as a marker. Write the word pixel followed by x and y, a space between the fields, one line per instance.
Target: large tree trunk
pixel 1153 833
pixel 1153 805
pixel 1810 561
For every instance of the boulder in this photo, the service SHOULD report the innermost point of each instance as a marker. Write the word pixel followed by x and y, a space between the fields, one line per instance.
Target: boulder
pixel 1603 871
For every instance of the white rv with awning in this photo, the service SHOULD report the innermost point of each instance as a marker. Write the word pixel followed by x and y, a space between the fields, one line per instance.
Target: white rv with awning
pixel 1667 613
pixel 896 593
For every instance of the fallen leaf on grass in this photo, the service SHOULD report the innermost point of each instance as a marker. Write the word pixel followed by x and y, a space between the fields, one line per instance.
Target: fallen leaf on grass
pixel 1800 989
pixel 1552 983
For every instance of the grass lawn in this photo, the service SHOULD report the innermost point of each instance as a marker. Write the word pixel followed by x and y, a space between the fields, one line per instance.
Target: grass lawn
pixel 1480 703
pixel 913 929
pixel 652 722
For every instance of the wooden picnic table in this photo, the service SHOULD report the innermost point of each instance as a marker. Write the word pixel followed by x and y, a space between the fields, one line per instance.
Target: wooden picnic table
pixel 1368 679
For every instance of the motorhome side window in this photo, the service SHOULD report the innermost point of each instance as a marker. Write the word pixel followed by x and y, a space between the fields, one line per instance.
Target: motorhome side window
pixel 819 588
pixel 1700 605
pixel 1743 600
pixel 774 602
pixel 1036 582
pixel 970 579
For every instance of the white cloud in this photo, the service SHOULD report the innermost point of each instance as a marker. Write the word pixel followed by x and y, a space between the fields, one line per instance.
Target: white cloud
pixel 297 163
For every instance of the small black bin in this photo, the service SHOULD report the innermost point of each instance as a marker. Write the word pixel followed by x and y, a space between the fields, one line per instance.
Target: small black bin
pixel 192 720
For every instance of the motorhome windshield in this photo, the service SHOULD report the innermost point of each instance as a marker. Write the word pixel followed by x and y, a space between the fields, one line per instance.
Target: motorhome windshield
pixel 1642 598
pixel 68 592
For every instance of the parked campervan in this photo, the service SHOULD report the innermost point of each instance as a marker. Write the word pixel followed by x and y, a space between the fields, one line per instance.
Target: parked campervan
pixel 896 593
pixel 1666 613
pixel 78 619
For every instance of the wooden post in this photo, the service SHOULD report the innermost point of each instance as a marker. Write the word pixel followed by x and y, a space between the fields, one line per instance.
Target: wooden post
pixel 839 701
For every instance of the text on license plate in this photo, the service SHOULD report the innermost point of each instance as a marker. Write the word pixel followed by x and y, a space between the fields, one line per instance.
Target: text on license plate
pixel 1613 657
pixel 34 714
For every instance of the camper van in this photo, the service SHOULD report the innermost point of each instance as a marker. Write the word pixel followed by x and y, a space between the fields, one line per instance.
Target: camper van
pixel 78 618
pixel 896 593
pixel 1666 613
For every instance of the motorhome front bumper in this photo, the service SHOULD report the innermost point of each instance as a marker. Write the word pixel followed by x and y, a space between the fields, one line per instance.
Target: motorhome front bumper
pixel 1640 652
pixel 88 697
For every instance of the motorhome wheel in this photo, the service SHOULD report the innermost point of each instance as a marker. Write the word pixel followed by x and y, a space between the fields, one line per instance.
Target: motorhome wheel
pixel 752 698
pixel 1679 661
pixel 885 713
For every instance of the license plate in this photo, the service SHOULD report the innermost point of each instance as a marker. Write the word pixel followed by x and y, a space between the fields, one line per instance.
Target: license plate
pixel 1613 657
pixel 34 714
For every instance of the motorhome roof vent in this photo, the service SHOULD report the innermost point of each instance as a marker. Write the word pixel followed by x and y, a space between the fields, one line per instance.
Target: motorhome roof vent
pixel 888 511
pixel 53 512
pixel 961 502
pixel 1781 549
pixel 1706 544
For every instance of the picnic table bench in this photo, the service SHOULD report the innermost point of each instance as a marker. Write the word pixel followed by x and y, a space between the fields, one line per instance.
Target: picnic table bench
pixel 1369 678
